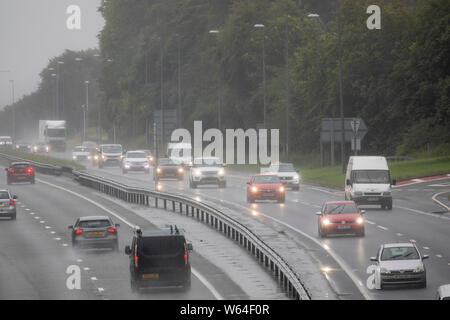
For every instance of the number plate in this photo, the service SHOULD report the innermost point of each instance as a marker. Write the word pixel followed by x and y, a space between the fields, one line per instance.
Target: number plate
pixel 97 233
pixel 343 227
pixel 372 199
pixel 150 276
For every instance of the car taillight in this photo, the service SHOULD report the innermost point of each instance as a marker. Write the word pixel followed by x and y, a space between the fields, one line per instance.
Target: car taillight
pixel 11 202
pixel 30 170
pixel 78 231
pixel 185 259
pixel 11 170
pixel 135 257
pixel 112 230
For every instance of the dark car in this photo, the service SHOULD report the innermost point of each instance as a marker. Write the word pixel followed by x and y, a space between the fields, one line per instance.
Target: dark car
pixel 7 204
pixel 41 147
pixel 168 169
pixel 23 147
pixel 20 171
pixel 95 232
pixel 265 187
pixel 159 258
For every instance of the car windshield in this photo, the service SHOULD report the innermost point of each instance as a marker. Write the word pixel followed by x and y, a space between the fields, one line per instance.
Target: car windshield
pixel 336 208
pixel 370 176
pixel 399 253
pixel 207 162
pixel 80 149
pixel 266 179
pixel 179 152
pixel 112 149
pixel 94 223
pixel 136 155
pixel 288 167
pixel 166 162
pixel 162 245
pixel 4 195
pixel 20 166
pixel 5 139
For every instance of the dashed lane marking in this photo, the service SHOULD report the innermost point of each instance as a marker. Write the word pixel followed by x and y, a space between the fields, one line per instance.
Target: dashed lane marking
pixel 381 227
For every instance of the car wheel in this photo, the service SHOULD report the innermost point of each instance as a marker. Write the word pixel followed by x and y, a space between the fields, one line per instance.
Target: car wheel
pixel 361 233
pixel 389 206
pixel 222 184
pixel 32 181
pixel 280 200
pixel 134 286
pixel 319 232
pixel 13 216
pixel 193 185
pixel 250 200
pixel 296 188
pixel 187 285
pixel 423 284
pixel 124 171
pixel 9 181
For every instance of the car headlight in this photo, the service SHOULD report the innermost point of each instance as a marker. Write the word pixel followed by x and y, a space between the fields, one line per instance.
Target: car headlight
pixel 158 170
pixel 74 157
pixel 89 157
pixel 103 157
pixel 296 177
pixel 387 193
pixel 358 193
pixel 417 270
pixel 360 220
pixel 17 147
pixel 384 271
pixel 180 170
pixel 47 148
pixel 281 189
pixel 254 189
pixel 197 173
pixel 96 157
pixel 326 222
pixel 35 148
pixel 221 172
pixel 146 166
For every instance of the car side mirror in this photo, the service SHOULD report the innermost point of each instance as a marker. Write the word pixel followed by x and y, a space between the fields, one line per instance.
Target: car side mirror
pixel 127 250
pixel 348 182
pixel 394 182
pixel 318 213
pixel 70 227
pixel 425 257
pixel 363 211
pixel 117 225
pixel 15 197
pixel 283 183
pixel 190 247
pixel 6 169
pixel 373 259
pixel 249 183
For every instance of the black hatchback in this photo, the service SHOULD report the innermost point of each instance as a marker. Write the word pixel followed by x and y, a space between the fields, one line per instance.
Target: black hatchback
pixel 159 258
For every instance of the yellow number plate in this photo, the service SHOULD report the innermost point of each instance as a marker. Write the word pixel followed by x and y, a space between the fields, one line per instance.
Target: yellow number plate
pixel 150 276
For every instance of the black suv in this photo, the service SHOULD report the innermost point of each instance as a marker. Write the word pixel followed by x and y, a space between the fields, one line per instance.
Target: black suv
pixel 159 258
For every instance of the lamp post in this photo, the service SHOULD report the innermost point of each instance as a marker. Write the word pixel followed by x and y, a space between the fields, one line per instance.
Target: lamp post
pixel 219 107
pixel 86 108
pixel 58 107
pixel 263 71
pixel 84 122
pixel 13 111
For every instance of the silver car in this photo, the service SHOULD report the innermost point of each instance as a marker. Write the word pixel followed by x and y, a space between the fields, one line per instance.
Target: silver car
pixel 7 205
pixel 95 232
pixel 207 170
pixel 399 264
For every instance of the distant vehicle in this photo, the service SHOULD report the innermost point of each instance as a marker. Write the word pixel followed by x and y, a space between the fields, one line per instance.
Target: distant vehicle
pixel 19 172
pixel 5 142
pixel 110 155
pixel 24 147
pixel 40 147
pixel 340 217
pixel 150 157
pixel 207 170
pixel 95 232
pixel 265 187
pixel 90 145
pixel 7 204
pixel 135 161
pixel 368 181
pixel 168 169
pixel 399 264
pixel 53 132
pixel 81 153
pixel 443 292
pixel 286 172
pixel 159 258
pixel 180 153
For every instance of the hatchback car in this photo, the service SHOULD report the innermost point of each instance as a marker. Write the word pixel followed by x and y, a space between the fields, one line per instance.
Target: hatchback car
pixel 340 217
pixel 95 232
pixel 207 170
pixel 19 172
pixel 443 292
pixel 399 264
pixel 159 258
pixel 167 169
pixel 7 205
pixel 135 161
pixel 40 147
pixel 265 187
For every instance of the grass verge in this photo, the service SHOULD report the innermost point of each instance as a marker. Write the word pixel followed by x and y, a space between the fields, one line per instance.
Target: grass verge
pixel 44 159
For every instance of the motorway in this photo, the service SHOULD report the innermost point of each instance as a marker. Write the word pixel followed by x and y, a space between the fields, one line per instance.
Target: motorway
pixel 36 250
pixel 415 217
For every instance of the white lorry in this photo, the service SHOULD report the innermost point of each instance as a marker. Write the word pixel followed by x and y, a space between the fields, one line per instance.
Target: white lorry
pixel 53 133
pixel 368 181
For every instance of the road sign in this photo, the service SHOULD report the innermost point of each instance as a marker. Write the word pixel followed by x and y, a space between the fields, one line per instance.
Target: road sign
pixel 355 124
pixel 170 123
pixel 333 125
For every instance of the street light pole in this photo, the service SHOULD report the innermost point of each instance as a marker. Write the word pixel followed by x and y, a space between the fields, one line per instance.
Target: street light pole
pixel 341 98
pixel 263 71
pixel 287 89
pixel 219 107
pixel 84 122
pixel 179 81
pixel 58 108
pixel 86 107
pixel 13 111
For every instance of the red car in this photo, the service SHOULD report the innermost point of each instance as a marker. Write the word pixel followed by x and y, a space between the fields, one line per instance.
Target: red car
pixel 20 171
pixel 340 217
pixel 265 187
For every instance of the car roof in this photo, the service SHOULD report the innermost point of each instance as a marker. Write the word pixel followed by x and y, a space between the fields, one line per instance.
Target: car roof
pixel 402 244
pixel 264 174
pixel 4 190
pixel 20 162
pixel 136 151
pixel 88 218
pixel 161 232
pixel 340 202
pixel 444 290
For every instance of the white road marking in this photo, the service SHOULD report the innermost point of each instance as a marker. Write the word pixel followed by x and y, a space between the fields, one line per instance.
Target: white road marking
pixel 57 239
pixel 193 270
pixel 101 289
pixel 426 248
pixel 86 269
pixel 399 234
pixel 439 202
pixel 37 218
pixel 412 240
pixel 94 279
pixel 79 260
pixel 52 232
pixel 48 227
pixel 42 221
pixel 65 245
pixel 424 213
pixel 439 255
pixel 381 227
pixel 370 222
pixel 32 213
pixel 27 209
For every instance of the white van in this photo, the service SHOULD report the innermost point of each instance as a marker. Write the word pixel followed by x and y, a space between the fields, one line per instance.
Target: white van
pixel 368 181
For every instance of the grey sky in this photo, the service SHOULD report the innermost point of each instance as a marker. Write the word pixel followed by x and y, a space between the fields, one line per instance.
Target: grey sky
pixel 34 31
